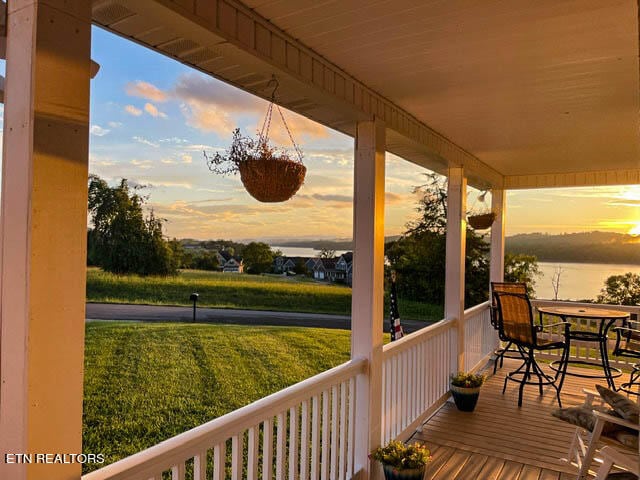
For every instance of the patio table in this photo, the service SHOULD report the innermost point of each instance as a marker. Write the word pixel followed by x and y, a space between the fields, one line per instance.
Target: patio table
pixel 606 319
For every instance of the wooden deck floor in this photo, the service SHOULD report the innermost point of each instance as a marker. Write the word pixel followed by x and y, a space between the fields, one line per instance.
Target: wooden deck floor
pixel 500 441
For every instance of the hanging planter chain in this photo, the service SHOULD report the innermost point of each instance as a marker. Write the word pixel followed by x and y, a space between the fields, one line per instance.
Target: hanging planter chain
pixel 268 174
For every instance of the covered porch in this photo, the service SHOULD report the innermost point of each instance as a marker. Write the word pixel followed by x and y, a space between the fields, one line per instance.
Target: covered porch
pixel 502 96
pixel 500 441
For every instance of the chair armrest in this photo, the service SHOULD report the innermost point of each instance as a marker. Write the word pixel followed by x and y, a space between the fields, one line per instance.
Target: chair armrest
pixel 589 396
pixel 620 459
pixel 555 324
pixel 605 417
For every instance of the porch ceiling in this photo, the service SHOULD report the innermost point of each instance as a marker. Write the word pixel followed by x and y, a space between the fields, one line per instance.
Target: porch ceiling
pixel 541 93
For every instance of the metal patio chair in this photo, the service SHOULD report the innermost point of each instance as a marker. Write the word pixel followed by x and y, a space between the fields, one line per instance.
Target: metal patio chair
pixel 628 345
pixel 509 350
pixel 516 325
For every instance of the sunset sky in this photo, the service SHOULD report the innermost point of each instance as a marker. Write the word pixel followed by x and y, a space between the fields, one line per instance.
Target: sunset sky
pixel 151 118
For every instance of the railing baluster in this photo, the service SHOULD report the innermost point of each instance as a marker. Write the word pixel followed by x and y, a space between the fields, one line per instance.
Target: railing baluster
pixel 252 453
pixel 178 471
pixel 200 466
pixel 324 464
pixel 267 449
pixel 343 430
pixel 236 457
pixel 315 437
pixel 304 441
pixel 281 440
pixel 293 443
pixel 350 427
pixel 335 431
pixel 219 460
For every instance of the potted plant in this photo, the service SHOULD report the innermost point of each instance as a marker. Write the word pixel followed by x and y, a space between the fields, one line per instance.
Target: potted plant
pixel 465 388
pixel 402 462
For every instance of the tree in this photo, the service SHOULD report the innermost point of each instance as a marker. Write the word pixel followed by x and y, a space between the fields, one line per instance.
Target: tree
pixel 326 252
pixel 206 261
pixel 621 290
pixel 555 281
pixel 419 256
pixel 257 257
pixel 124 239
pixel 522 268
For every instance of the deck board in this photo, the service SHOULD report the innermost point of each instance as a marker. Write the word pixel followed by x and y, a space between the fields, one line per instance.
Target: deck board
pixel 500 441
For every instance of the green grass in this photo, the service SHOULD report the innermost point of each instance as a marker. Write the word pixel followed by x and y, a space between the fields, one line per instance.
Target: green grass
pixel 222 290
pixel 147 382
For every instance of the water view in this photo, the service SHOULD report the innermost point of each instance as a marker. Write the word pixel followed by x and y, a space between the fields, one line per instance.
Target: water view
pixel 578 281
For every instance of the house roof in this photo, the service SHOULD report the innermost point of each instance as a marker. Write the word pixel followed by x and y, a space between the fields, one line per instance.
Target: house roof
pixel 348 257
pixel 522 94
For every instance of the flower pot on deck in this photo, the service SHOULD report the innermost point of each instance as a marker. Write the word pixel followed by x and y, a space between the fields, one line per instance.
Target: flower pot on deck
pixel 465 397
pixel 391 473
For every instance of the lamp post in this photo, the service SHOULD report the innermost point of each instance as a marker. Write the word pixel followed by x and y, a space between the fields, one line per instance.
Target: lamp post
pixel 194 299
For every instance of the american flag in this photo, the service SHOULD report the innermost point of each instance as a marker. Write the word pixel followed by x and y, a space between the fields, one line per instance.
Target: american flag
pixel 394 328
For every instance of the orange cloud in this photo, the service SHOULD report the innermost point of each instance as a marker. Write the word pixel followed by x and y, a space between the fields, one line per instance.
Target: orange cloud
pixel 131 110
pixel 145 90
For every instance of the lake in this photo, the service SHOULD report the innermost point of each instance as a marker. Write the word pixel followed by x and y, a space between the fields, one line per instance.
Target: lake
pixel 578 281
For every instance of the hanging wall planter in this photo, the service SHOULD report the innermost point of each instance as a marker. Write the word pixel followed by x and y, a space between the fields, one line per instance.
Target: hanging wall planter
pixel 481 219
pixel 268 173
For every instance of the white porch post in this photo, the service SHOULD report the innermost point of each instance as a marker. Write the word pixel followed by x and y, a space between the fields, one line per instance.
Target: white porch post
pixel 497 235
pixel 456 246
pixel 43 234
pixel 368 287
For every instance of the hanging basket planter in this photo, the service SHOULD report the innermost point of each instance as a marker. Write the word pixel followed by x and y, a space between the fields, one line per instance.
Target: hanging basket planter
pixel 272 180
pixel 269 174
pixel 481 219
pixel 481 222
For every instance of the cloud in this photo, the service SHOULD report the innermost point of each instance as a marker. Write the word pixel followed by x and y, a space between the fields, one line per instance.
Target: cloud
pixel 145 90
pixel 212 106
pixel 332 198
pixel 393 198
pixel 144 164
pixel 144 141
pixel 115 124
pixel 186 158
pixel 176 140
pixel 98 131
pixel 131 110
pixel 152 110
pixel 168 161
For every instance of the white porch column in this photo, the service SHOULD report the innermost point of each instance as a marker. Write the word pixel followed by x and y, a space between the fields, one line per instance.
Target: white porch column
pixel 43 239
pixel 368 287
pixel 456 246
pixel 497 235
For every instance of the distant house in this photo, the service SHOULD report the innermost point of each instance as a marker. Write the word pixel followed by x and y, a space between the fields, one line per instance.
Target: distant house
pixel 287 264
pixel 228 263
pixel 344 268
pixel 325 269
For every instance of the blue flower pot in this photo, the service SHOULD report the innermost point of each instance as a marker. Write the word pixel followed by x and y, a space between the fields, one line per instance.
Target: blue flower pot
pixel 390 473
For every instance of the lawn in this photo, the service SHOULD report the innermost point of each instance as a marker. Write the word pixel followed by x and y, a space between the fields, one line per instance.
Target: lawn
pixel 251 292
pixel 147 382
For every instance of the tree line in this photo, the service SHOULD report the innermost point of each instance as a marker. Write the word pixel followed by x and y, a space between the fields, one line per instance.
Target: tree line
pixel 126 239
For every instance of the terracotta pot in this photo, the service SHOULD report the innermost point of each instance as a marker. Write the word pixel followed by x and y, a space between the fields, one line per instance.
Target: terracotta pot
pixel 390 473
pixel 465 398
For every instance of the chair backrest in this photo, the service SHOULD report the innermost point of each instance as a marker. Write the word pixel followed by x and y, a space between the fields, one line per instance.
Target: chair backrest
pixel 515 318
pixel 504 287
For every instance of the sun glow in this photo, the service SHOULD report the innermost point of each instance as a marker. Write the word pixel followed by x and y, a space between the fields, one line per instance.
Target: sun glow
pixel 635 230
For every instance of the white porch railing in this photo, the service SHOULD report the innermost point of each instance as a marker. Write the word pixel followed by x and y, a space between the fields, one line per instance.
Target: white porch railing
pixel 480 338
pixel 304 431
pixel 589 351
pixel 415 377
